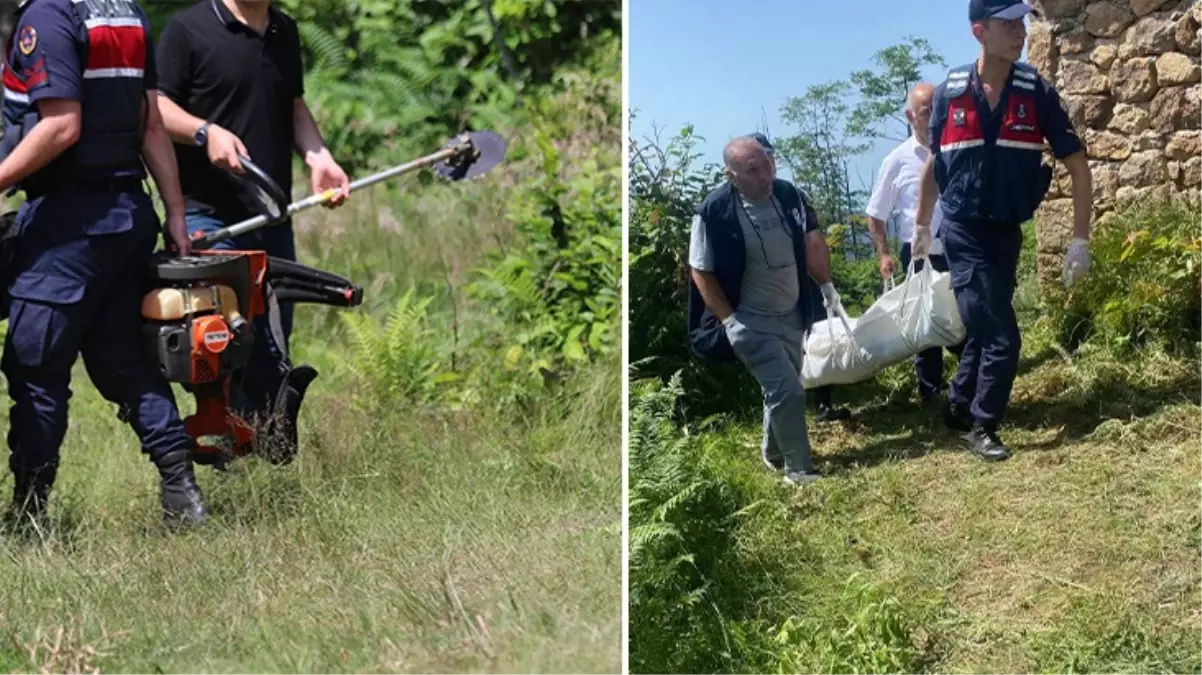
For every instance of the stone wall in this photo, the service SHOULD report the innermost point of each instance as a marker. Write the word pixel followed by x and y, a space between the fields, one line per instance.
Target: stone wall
pixel 1129 73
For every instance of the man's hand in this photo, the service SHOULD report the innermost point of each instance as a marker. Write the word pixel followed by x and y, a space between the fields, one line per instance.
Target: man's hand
pixel 1076 261
pixel 325 174
pixel 920 245
pixel 830 297
pixel 225 148
pixel 888 266
pixel 176 229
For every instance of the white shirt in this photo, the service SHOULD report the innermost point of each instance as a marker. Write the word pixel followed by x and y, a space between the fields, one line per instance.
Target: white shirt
pixel 896 190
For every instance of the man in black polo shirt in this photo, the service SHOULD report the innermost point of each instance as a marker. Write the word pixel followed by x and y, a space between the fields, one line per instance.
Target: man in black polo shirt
pixel 231 84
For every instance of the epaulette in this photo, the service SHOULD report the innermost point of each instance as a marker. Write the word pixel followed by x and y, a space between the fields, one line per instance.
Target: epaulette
pixel 957 80
pixel 1026 76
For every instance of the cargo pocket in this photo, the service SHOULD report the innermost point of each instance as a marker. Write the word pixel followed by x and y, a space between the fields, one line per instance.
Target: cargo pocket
pixel 960 275
pixel 39 316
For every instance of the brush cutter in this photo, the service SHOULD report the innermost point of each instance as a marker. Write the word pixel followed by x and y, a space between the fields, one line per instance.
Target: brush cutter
pixel 200 309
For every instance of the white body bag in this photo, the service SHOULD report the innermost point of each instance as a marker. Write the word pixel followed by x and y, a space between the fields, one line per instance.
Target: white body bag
pixel 919 314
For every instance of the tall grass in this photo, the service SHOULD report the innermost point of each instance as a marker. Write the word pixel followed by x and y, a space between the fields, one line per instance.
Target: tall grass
pixel 453 507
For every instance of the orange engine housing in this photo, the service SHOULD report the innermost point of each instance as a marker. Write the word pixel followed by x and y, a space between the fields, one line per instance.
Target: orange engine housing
pixel 198 317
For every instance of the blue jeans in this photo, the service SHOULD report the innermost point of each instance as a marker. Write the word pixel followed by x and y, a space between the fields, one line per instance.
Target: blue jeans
pixel 254 389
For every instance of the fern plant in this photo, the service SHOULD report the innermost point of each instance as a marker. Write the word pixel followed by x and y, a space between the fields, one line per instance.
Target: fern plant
pixel 394 359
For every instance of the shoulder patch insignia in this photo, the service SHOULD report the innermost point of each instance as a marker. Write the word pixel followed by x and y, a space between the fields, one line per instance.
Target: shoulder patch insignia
pixel 27 40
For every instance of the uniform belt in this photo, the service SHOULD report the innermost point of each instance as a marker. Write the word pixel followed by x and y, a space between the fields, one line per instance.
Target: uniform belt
pixel 91 185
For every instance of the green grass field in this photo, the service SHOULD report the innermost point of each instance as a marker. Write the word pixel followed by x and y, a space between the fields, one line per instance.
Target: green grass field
pixel 1078 555
pixel 426 532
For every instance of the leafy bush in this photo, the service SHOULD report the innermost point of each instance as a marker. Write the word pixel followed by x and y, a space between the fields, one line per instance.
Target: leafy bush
pixel 387 78
pixel 562 285
pixel 1144 288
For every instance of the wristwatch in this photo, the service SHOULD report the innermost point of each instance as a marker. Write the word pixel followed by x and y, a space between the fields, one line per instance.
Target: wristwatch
pixel 202 134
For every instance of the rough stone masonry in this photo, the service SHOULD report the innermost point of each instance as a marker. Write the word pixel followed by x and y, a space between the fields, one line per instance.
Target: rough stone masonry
pixel 1129 72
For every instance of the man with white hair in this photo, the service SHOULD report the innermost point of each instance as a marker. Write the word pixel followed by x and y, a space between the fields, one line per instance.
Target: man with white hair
pixel 750 267
pixel 896 191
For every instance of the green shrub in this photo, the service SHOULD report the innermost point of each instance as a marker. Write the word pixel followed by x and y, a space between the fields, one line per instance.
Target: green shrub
pixel 1144 288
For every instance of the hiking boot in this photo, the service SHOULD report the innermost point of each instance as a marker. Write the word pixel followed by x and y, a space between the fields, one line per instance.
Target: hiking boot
pixel 182 501
pixel 957 418
pixel 984 443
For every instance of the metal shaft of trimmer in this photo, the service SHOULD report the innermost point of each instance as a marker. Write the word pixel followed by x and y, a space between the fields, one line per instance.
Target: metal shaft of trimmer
pixel 309 202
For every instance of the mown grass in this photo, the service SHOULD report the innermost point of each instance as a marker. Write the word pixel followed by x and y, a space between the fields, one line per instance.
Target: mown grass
pixel 1080 554
pixel 415 536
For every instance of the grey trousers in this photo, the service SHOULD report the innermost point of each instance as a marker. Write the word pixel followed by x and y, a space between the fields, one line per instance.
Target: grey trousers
pixel 771 349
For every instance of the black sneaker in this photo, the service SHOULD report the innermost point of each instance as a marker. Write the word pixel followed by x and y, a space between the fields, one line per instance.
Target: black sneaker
pixel 832 414
pixel 957 418
pixel 985 444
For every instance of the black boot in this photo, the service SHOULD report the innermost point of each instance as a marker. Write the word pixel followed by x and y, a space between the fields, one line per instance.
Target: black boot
pixel 957 418
pixel 31 493
pixel 984 443
pixel 182 501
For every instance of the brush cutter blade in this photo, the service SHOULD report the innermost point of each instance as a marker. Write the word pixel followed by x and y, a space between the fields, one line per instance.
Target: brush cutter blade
pixel 480 152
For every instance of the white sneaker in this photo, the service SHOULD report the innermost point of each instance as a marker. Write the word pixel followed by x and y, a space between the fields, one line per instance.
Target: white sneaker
pixel 801 477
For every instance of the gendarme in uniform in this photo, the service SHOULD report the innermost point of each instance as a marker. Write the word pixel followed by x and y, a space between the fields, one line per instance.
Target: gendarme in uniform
pixel 987 165
pixel 87 231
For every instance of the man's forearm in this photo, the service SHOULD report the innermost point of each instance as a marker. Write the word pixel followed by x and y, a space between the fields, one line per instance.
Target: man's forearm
pixel 818 258
pixel 159 154
pixel 876 230
pixel 308 140
pixel 1082 179
pixel 179 123
pixel 711 294
pixel 47 140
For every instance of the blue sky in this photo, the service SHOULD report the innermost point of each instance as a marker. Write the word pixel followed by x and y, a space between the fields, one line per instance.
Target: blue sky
pixel 725 66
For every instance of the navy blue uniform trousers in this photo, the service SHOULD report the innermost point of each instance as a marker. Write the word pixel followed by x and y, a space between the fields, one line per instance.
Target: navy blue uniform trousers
pixel 254 389
pixel 983 261
pixel 929 363
pixel 77 286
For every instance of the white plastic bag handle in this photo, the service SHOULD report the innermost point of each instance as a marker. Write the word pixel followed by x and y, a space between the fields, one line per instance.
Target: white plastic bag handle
pixel 842 314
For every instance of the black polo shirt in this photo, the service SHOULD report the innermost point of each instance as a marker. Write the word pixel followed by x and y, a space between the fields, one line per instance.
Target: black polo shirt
pixel 219 69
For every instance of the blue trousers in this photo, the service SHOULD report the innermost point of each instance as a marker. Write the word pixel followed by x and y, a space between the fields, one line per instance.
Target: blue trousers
pixel 929 363
pixel 76 288
pixel 254 389
pixel 984 273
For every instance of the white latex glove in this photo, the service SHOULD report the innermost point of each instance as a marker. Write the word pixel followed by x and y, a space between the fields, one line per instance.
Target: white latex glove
pixel 920 244
pixel 830 297
pixel 1076 261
